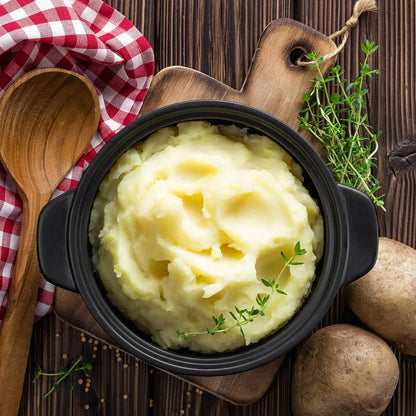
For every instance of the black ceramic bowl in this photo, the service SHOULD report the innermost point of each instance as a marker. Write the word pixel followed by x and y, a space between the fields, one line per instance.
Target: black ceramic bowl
pixel 351 236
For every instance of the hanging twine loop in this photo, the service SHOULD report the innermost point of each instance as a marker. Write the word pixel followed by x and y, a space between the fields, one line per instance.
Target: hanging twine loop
pixel 360 7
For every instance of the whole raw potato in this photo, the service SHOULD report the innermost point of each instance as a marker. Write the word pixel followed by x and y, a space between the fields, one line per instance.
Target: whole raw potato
pixel 385 298
pixel 343 370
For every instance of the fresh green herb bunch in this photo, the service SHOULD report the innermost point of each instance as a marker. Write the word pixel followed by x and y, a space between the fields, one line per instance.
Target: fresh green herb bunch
pixel 242 317
pixel 336 115
pixel 81 367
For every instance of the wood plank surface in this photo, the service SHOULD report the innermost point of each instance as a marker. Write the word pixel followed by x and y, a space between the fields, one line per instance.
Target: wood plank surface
pixel 219 38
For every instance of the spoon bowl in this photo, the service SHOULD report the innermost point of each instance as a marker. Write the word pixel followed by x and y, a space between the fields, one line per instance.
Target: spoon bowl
pixel 47 119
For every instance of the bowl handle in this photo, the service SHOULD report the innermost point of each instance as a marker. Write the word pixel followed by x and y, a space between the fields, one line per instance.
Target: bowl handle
pixel 51 240
pixel 362 233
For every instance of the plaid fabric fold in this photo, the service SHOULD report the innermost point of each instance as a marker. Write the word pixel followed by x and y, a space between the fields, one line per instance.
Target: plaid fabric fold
pixel 85 36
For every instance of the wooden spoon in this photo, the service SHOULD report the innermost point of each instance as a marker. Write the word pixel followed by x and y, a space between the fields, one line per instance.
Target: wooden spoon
pixel 47 119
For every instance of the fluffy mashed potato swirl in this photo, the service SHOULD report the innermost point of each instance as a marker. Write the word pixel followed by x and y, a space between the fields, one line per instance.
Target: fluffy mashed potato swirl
pixel 187 223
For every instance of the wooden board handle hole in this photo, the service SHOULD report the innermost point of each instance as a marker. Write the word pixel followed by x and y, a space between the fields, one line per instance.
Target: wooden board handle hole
pixel 296 54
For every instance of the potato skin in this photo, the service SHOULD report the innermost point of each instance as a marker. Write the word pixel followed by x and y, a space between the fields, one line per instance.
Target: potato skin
pixel 385 298
pixel 343 370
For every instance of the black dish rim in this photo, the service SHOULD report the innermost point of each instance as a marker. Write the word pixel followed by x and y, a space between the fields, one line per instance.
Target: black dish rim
pixel 326 285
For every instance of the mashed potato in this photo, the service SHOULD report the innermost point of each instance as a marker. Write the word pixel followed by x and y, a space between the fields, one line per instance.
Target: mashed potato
pixel 188 222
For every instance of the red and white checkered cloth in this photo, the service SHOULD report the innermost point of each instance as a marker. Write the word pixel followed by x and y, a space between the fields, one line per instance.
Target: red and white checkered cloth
pixel 85 36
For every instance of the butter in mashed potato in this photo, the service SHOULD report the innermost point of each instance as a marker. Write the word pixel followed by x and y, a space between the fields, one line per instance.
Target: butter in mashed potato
pixel 187 223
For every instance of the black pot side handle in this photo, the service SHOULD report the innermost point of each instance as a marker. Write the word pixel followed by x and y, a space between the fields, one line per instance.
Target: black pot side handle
pixel 362 233
pixel 51 240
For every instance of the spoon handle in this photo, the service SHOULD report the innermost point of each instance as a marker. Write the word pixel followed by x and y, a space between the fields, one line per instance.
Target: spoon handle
pixel 17 326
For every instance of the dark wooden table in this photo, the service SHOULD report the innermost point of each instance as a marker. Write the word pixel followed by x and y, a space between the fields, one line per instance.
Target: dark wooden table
pixel 219 37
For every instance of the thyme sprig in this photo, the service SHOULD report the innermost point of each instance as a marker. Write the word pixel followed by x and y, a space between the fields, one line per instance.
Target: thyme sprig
pixel 340 123
pixel 242 317
pixel 79 368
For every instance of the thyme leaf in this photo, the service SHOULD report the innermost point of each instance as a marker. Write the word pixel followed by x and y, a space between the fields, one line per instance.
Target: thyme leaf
pixel 79 367
pixel 335 114
pixel 242 317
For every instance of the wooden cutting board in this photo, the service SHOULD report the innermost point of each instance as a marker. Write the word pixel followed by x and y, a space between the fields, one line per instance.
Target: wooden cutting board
pixel 275 84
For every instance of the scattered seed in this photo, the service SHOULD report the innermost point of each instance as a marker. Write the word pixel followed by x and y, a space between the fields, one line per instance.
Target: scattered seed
pixel 124 396
pixel 86 407
pixel 64 356
pixel 80 381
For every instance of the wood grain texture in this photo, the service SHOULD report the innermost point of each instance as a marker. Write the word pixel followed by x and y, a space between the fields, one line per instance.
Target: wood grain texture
pixel 218 38
pixel 274 83
pixel 184 33
pixel 391 108
pixel 235 388
pixel 114 374
pixel 141 13
pixel 396 109
pixel 48 118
